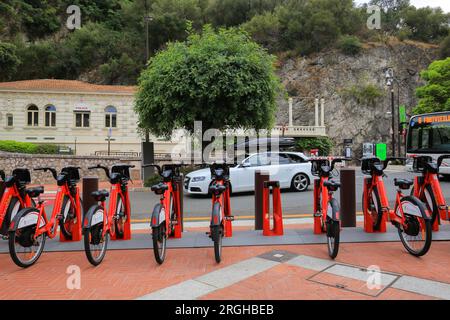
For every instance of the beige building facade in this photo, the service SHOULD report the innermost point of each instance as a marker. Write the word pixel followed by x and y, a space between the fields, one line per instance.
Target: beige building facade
pixel 75 114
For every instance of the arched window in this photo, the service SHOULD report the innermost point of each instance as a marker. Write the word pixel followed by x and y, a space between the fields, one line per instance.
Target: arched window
pixel 33 116
pixel 50 116
pixel 110 117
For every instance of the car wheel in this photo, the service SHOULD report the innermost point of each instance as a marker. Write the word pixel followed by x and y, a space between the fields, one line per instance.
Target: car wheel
pixel 300 182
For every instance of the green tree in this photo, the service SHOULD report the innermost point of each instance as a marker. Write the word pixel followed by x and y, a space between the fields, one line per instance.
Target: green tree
pixel 445 47
pixel 265 29
pixel 222 78
pixel 425 24
pixel 435 95
pixel 8 61
pixel 323 144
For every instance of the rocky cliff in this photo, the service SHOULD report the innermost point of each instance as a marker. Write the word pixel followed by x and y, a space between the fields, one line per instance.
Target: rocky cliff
pixel 354 88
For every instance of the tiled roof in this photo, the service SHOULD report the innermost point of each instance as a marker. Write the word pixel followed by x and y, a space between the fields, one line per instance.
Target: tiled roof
pixel 64 86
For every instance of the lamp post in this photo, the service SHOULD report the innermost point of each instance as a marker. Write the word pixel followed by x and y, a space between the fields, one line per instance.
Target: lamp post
pixel 147 19
pixel 389 75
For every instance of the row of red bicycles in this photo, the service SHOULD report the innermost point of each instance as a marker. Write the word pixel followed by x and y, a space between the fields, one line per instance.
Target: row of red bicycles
pixel 414 215
pixel 25 224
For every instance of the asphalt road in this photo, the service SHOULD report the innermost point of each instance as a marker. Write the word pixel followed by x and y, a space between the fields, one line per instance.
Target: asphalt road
pixel 243 205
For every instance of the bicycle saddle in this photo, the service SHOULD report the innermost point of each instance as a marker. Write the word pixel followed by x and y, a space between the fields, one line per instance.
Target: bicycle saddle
pixel 160 188
pixel 217 188
pixel 403 183
pixel 332 185
pixel 35 192
pixel 100 195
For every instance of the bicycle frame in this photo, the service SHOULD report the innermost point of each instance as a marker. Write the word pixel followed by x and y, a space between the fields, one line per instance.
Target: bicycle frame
pixel 165 203
pixel 224 201
pixel 115 193
pixel 432 179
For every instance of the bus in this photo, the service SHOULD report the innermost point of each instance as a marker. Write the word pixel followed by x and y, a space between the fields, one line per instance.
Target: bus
pixel 429 134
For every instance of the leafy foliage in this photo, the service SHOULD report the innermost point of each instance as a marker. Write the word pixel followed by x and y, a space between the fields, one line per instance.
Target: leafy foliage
pixel 323 144
pixel 350 45
pixel 445 47
pixel 435 95
pixel 8 60
pixel 366 94
pixel 220 78
pixel 27 147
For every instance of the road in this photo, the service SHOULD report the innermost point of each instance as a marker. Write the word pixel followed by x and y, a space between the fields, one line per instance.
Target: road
pixel 243 205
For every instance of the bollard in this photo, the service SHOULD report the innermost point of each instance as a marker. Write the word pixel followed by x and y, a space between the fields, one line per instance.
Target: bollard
pixel 181 184
pixel 348 198
pixel 90 184
pixel 260 178
pixel 277 210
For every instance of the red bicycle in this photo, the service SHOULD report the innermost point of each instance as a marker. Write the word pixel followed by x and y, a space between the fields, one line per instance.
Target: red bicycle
pixel 14 197
pixel 428 189
pixel 31 227
pixel 221 217
pixel 166 218
pixel 326 208
pixel 99 224
pixel 410 216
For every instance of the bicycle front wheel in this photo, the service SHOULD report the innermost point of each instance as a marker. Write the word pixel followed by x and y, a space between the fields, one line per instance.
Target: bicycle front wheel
pixel 415 233
pixel 217 235
pixel 95 243
pixel 68 218
pixel 24 248
pixel 159 242
pixel 333 229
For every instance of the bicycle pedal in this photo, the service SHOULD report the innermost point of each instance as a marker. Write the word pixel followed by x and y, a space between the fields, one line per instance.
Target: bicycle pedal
pixel 174 223
pixel 229 218
pixel 443 207
pixel 317 215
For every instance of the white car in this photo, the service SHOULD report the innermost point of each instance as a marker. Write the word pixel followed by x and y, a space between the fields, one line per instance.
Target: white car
pixel 291 169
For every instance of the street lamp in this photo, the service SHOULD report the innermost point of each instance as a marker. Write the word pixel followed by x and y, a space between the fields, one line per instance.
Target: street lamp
pixel 389 75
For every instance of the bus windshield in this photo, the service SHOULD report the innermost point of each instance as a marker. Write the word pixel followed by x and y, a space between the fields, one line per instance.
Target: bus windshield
pixel 428 137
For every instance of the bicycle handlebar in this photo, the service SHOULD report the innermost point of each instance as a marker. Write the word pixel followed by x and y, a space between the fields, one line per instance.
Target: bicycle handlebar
pixel 441 158
pixel 2 175
pixel 45 169
pixel 386 162
pixel 101 167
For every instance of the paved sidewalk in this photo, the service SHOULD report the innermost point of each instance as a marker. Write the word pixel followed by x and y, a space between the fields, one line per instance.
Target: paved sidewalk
pixel 276 272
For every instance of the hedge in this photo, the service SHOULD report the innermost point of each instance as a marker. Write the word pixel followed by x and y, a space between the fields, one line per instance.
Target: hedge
pixel 28 147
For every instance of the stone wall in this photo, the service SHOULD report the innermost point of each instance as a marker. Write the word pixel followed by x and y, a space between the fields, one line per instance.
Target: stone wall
pixel 331 74
pixel 10 161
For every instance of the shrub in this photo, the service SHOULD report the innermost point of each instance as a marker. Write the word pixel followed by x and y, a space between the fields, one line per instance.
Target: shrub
pixel 445 48
pixel 350 45
pixel 366 94
pixel 324 144
pixel 27 147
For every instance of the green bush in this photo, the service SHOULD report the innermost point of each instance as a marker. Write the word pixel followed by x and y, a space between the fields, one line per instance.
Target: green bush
pixel 324 144
pixel 350 45
pixel 445 48
pixel 366 94
pixel 27 147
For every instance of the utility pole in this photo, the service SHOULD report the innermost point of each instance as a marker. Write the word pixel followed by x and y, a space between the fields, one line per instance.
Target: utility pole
pixel 147 19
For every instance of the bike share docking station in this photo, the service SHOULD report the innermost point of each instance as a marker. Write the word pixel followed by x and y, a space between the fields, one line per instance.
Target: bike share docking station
pixel 277 213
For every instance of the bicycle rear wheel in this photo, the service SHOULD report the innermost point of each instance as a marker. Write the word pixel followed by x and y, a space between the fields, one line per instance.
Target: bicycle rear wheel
pixel 374 208
pixel 68 218
pixel 159 242
pixel 95 243
pixel 24 249
pixel 416 233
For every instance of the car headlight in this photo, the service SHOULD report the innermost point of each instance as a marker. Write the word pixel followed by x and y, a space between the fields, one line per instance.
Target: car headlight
pixel 197 179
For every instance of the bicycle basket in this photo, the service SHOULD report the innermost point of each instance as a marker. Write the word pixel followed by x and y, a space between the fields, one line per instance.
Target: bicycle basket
pixel 72 173
pixel 367 165
pixel 22 175
pixel 123 170
pixel 420 163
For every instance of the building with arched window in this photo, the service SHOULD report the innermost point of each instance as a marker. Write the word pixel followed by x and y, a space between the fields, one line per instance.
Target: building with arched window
pixel 74 114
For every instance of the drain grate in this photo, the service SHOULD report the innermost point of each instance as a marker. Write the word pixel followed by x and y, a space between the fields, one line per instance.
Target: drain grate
pixel 355 279
pixel 278 256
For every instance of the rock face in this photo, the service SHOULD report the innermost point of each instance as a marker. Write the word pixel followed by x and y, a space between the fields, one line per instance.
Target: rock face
pixel 354 88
